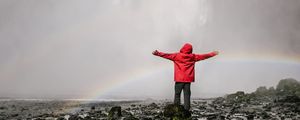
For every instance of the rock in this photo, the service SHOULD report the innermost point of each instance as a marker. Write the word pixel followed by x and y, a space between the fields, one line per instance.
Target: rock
pixel 3 108
pixel 288 86
pixel 132 105
pixel 148 118
pixel 61 118
pixel 74 117
pixel 290 99
pixel 175 111
pixel 250 116
pixel 93 108
pixel 238 97
pixel 98 114
pixel 262 89
pixel 83 115
pixel 67 117
pixel 219 100
pixel 49 118
pixel 114 113
pixel 153 106
pixel 130 118
pixel 265 115
pixel 126 113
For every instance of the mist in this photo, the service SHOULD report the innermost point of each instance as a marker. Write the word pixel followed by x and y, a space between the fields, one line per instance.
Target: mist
pixel 61 49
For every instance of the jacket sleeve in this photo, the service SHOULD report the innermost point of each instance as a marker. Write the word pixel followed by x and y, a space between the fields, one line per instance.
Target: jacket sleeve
pixel 199 57
pixel 170 56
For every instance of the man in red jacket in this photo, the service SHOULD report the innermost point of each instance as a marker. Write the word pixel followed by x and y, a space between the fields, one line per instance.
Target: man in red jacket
pixel 184 74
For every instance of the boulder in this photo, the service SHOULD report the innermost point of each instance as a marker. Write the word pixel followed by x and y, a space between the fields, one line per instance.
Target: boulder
pixel 115 113
pixel 153 106
pixel 176 112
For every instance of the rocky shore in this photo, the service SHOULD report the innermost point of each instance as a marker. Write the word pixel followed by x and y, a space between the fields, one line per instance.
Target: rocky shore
pixel 280 103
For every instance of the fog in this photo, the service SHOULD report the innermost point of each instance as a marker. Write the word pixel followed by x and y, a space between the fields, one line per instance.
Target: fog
pixel 102 48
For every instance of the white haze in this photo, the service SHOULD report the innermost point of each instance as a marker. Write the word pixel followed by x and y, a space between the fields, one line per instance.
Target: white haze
pixel 65 48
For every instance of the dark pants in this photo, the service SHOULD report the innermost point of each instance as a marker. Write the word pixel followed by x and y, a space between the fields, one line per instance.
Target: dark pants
pixel 186 87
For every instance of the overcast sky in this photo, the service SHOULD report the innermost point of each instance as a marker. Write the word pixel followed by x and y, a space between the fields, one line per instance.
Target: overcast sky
pixel 76 48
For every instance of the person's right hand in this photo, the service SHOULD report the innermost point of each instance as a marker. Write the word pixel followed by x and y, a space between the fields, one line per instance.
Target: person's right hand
pixel 155 52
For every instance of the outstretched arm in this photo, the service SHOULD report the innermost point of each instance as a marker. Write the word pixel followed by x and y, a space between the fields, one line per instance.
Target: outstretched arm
pixel 199 57
pixel 170 56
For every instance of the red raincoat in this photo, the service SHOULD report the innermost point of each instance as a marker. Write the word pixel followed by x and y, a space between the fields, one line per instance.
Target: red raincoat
pixel 184 62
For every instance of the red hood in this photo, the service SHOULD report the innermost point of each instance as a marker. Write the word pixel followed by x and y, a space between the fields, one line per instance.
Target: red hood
pixel 187 48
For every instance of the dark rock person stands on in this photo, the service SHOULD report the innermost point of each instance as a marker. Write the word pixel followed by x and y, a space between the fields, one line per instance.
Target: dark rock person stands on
pixel 184 64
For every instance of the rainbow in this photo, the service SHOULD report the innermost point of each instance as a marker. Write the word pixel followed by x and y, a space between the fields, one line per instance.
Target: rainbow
pixel 131 76
pixel 140 74
pixel 96 93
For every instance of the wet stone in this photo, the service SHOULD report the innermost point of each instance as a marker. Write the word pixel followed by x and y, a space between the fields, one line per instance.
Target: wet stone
pixel 175 111
pixel 93 108
pixel 153 106
pixel 114 113
pixel 74 117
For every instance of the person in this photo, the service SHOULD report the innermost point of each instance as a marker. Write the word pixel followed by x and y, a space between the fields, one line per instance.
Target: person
pixel 184 74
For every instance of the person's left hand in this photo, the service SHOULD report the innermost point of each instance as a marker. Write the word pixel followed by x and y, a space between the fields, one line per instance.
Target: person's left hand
pixel 216 52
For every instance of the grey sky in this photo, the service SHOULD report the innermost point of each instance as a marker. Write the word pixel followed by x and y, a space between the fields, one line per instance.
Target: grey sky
pixel 54 48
